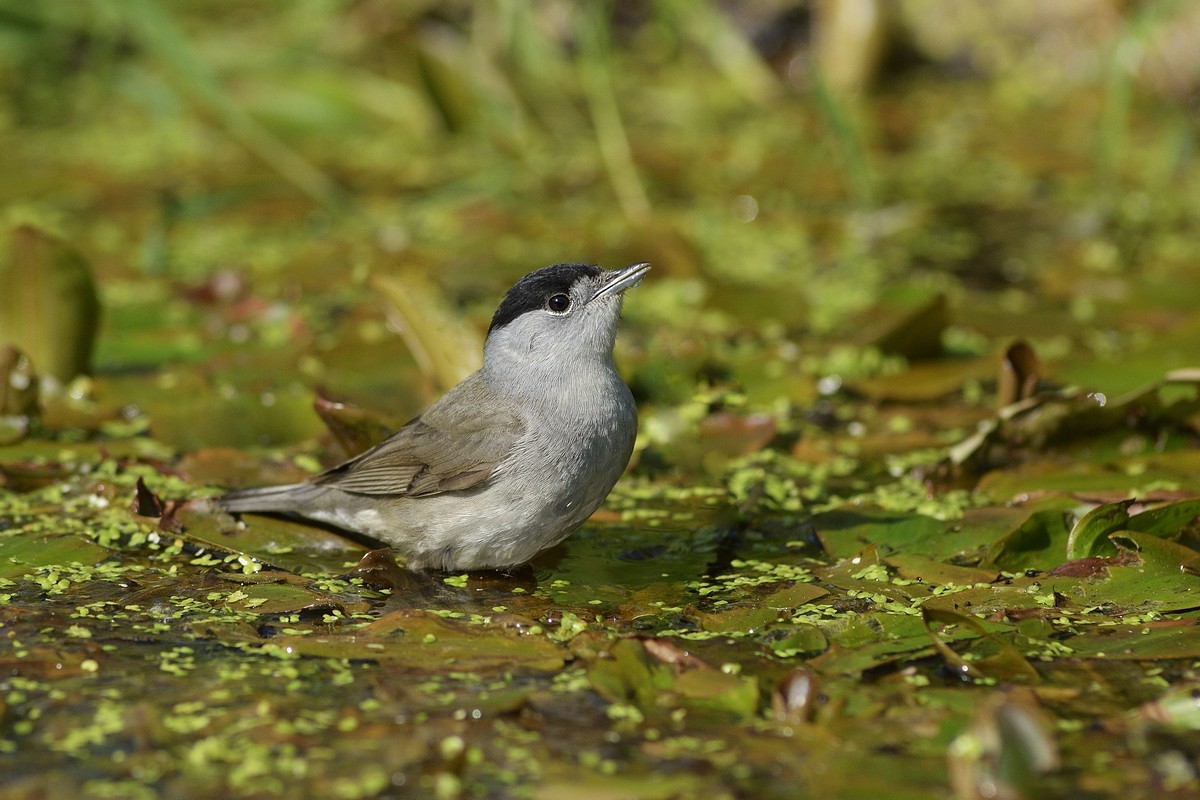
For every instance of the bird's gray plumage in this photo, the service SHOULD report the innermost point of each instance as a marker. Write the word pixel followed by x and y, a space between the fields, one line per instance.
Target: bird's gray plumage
pixel 511 460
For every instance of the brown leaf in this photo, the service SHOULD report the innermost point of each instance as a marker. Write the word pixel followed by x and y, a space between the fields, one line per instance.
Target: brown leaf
pixel 1093 566
pixel 145 502
pixel 355 429
pixel 379 570
pixel 668 652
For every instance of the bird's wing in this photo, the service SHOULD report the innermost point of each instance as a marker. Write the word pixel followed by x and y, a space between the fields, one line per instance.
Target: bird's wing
pixel 455 445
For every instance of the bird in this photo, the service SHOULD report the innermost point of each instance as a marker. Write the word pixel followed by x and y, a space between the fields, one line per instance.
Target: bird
pixel 508 462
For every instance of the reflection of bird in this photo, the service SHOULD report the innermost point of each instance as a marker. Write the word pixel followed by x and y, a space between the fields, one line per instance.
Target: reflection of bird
pixel 511 460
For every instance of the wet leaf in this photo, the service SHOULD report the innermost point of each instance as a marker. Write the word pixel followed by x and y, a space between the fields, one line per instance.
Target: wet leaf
pixel 799 640
pixel 1137 643
pixel 280 598
pixel 1166 579
pixel 21 555
pixel 420 640
pixel 750 619
pixel 914 566
pixel 1041 478
pixel 1168 521
pixel 271 541
pixel 1089 536
pixel 1040 542
pixel 1006 664
pixel 794 596
pixel 632 673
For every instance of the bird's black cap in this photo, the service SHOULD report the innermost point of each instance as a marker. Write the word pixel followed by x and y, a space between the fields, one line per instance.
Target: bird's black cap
pixel 531 292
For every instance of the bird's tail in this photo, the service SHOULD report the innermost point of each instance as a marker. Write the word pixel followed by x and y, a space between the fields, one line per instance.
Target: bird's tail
pixel 294 497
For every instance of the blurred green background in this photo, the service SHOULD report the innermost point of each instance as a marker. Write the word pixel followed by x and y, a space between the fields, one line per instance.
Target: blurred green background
pixel 802 175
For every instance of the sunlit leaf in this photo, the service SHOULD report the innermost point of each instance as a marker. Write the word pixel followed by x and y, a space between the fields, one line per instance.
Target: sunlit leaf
pixel 27 554
pixel 48 303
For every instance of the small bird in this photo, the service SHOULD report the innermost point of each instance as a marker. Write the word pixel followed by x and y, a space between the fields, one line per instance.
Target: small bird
pixel 511 460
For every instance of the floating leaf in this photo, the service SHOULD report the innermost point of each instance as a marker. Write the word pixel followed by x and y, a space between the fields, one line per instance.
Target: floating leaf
pixel 1040 542
pixel 845 531
pixel 1168 521
pixel 20 555
pixel 914 566
pixel 1137 643
pixel 1007 664
pixel 271 540
pixel 793 596
pixel 633 673
pixel 1089 535
pixel 280 598
pixel 425 641
pixel 747 619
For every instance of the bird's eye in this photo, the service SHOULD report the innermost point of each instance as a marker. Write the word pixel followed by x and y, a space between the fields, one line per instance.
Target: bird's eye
pixel 558 303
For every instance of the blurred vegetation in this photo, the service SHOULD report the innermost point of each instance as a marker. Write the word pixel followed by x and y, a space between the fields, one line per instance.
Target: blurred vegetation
pixel 922 318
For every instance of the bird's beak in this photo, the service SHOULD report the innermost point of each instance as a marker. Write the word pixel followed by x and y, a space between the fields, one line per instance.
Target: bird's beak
pixel 618 280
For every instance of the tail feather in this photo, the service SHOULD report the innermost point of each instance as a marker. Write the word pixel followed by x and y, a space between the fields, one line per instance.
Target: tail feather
pixel 293 497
